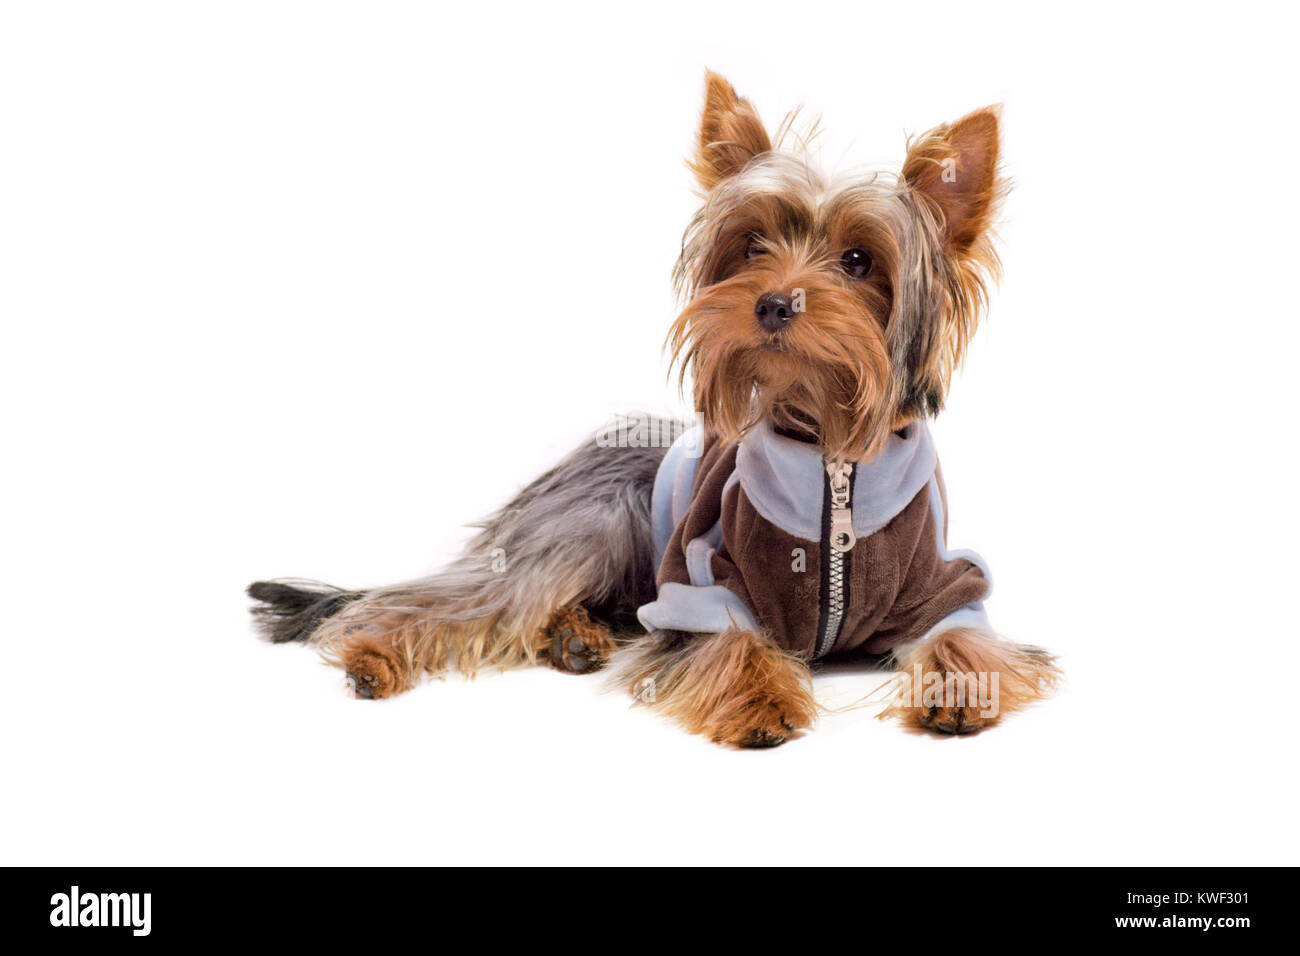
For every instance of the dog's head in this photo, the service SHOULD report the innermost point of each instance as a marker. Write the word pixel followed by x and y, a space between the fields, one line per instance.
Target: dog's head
pixel 836 307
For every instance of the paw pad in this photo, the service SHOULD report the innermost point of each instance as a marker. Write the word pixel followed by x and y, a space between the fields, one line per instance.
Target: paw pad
pixel 363 685
pixel 760 738
pixel 575 643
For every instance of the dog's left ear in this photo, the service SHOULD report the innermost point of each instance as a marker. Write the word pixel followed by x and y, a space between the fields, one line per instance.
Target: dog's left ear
pixel 731 134
pixel 953 172
pixel 955 167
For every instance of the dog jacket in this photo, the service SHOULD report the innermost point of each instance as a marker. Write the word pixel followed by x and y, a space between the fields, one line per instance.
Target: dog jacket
pixel 763 535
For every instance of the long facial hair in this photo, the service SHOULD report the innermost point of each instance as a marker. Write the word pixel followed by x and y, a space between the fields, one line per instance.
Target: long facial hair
pixel 865 353
pixel 825 376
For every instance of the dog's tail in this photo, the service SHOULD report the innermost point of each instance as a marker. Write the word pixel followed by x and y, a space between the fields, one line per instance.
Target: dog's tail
pixel 291 610
pixel 580 536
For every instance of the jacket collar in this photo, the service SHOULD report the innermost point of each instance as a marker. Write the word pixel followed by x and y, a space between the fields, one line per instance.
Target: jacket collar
pixel 785 479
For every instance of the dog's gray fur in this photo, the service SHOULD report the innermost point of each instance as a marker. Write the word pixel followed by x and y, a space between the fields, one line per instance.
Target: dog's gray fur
pixel 579 534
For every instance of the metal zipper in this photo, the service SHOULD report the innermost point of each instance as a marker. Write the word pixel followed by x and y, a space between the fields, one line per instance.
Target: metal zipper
pixel 840 540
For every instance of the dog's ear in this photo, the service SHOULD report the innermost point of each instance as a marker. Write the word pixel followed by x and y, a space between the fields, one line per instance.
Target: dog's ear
pixel 731 134
pixel 953 171
pixel 955 167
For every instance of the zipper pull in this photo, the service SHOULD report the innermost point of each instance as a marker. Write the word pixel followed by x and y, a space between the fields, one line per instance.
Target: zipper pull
pixel 842 537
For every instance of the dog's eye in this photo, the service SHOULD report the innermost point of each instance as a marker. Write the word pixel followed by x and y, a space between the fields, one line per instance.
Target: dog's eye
pixel 753 246
pixel 856 262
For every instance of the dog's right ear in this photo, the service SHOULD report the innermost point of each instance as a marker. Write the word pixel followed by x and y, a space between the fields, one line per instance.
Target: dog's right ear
pixel 731 134
pixel 955 167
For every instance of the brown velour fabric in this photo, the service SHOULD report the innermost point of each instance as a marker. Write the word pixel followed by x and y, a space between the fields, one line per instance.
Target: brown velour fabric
pixel 899 587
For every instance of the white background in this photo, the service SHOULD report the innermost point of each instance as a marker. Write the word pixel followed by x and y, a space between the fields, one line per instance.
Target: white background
pixel 302 289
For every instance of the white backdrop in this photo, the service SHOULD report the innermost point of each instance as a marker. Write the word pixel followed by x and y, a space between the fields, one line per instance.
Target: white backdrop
pixel 303 288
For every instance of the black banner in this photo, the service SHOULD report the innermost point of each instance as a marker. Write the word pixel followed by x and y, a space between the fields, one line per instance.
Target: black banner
pixel 948 906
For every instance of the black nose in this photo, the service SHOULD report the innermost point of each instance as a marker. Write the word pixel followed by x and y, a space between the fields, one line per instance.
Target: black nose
pixel 774 310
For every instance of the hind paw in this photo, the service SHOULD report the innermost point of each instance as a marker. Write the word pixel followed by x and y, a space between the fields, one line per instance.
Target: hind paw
pixel 370 676
pixel 573 643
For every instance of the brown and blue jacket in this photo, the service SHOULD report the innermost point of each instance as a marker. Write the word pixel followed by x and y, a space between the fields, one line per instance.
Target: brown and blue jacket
pixel 762 535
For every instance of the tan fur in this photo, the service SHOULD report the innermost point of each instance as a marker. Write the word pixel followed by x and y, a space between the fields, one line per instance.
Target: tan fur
pixel 1025 674
pixel 967 199
pixel 392 650
pixel 730 133
pixel 574 643
pixel 736 688
pixel 832 370
pixel 387 641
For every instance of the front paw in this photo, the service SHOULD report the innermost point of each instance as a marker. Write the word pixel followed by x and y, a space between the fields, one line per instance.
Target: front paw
pixel 757 724
pixel 965 680
pixel 736 688
pixel 933 699
pixel 953 720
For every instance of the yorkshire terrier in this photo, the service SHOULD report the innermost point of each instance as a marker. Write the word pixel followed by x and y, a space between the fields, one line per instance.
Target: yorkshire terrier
pixel 804 519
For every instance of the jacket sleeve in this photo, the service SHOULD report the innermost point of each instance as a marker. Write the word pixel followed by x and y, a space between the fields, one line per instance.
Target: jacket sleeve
pixel 940 589
pixel 690 598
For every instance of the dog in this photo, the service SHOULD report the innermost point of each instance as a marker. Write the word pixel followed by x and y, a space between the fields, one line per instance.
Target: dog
pixel 802 519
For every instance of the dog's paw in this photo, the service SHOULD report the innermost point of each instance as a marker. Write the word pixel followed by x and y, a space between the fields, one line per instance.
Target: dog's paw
pixel 573 643
pixel 966 680
pixel 370 676
pixel 952 720
pixel 757 725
